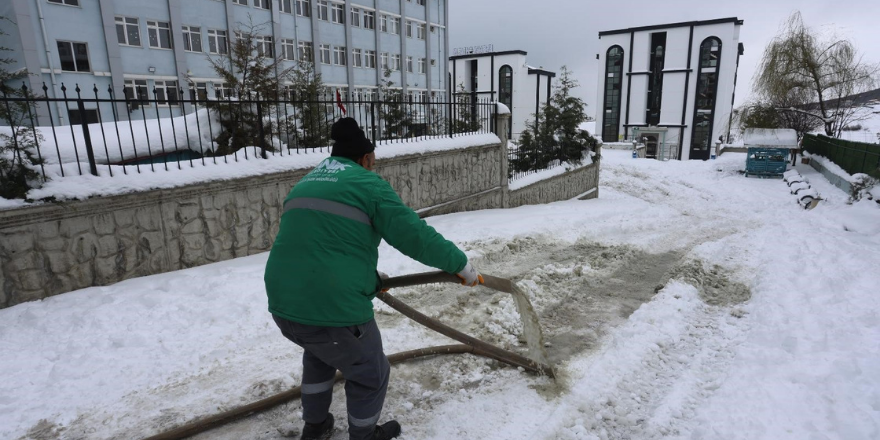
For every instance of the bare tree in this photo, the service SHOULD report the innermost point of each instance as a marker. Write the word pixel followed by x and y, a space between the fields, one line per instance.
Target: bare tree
pixel 805 72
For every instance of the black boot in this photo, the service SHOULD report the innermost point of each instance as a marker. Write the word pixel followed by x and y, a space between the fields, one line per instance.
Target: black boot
pixel 319 431
pixel 387 431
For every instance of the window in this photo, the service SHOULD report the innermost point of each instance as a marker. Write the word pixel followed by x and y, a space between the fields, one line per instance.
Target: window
pixel 505 89
pixel 357 59
pixel 383 23
pixel 65 2
pixel 323 10
pixel 339 55
pixel 395 61
pixel 355 17
pixel 263 4
pixel 384 57
pixel 288 49
pixel 305 51
pixel 395 25
pixel 74 56
pixel 127 31
pixel 222 91
pixel 285 6
pixel 338 13
pixel 707 89
pixel 192 38
pixel 409 64
pixel 88 116
pixel 369 20
pixel 409 29
pixel 303 8
pixel 423 65
pixel 611 106
pixel 199 92
pixel 167 93
pixel 421 2
pixel 265 46
pixel 325 54
pixel 136 90
pixel 160 34
pixel 370 59
pixel 422 31
pixel 218 42
pixel 240 2
pixel 656 62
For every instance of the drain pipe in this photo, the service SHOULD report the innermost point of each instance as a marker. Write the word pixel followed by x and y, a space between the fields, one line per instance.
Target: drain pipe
pixel 49 59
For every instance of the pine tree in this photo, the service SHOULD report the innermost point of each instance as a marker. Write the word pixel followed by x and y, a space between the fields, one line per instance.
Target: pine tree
pixel 464 118
pixel 312 120
pixel 254 79
pixel 394 118
pixel 18 157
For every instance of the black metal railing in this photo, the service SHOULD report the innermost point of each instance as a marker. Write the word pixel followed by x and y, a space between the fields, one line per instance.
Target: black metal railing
pixel 853 157
pixel 97 132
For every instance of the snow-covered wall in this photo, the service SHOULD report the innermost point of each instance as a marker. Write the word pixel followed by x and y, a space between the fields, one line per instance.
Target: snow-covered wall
pixel 562 187
pixel 50 249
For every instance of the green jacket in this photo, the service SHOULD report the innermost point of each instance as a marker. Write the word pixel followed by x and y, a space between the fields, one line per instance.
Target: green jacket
pixel 322 267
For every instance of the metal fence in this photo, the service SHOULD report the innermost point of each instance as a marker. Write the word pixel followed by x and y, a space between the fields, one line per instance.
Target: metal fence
pixel 853 157
pixel 175 127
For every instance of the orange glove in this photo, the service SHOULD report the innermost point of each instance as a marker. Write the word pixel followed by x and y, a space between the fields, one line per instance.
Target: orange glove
pixel 469 276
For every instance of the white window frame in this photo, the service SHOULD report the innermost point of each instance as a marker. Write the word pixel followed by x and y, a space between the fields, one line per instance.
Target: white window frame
pixel 395 61
pixel 157 27
pixel 409 64
pixel 337 13
pixel 265 45
pixel 121 20
pixel 190 33
pixel 241 2
pixel 370 59
pixel 288 49
pixel 357 58
pixel 355 19
pixel 286 6
pixel 409 28
pixel 304 8
pixel 421 31
pixel 423 65
pixel 73 54
pixel 305 49
pixel 339 56
pixel 74 3
pixel 163 87
pixel 395 25
pixel 325 54
pixel 323 10
pixel 385 60
pixel 383 22
pixel 263 4
pixel 140 91
pixel 369 20
pixel 215 38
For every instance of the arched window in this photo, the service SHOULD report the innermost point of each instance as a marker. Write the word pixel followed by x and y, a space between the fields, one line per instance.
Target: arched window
pixel 505 92
pixel 704 105
pixel 611 106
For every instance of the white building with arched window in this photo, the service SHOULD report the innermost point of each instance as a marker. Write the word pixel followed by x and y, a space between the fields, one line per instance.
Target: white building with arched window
pixel 505 77
pixel 671 86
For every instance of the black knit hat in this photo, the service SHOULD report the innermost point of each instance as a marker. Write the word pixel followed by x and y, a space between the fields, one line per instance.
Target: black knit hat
pixel 349 140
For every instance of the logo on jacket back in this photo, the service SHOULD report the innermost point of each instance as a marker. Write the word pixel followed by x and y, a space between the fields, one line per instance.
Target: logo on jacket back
pixel 330 166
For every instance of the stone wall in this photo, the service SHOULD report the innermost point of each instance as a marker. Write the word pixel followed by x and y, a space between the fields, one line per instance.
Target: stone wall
pixel 582 181
pixel 54 248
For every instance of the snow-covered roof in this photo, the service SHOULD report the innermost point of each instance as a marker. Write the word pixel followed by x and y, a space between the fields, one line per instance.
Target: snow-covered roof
pixel 775 137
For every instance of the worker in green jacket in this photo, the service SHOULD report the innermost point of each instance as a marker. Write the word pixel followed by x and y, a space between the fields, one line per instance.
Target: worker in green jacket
pixel 321 279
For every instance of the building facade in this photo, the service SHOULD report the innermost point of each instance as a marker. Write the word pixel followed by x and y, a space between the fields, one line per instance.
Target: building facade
pixel 670 86
pixel 505 77
pixel 165 45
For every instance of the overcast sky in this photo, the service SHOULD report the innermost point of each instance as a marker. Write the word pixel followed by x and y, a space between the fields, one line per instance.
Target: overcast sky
pixel 565 32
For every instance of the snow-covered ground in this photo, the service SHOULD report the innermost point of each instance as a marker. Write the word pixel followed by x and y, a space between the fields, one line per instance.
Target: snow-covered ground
pixel 686 302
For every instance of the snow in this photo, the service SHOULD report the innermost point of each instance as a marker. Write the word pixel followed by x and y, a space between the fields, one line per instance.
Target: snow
pixel 501 109
pixel 764 324
pixel 766 137
pixel 558 170
pixel 75 186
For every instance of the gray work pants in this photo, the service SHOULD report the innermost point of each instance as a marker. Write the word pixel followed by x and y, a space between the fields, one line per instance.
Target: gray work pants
pixel 357 352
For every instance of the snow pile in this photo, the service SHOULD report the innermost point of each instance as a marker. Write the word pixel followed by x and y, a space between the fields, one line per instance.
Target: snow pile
pixel 769 137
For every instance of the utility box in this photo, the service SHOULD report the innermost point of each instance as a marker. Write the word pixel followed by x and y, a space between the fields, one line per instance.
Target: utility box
pixel 767 151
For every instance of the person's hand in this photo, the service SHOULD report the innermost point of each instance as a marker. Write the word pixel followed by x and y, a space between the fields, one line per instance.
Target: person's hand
pixel 382 276
pixel 469 276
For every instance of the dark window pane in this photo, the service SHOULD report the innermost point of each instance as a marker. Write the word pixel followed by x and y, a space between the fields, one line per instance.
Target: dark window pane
pixel 66 55
pixel 81 55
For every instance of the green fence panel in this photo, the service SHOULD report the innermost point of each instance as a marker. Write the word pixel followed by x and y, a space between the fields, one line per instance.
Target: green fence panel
pixel 853 157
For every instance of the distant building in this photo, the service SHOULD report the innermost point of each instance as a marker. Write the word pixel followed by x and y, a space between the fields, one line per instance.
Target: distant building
pixel 671 85
pixel 505 77
pixel 144 45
